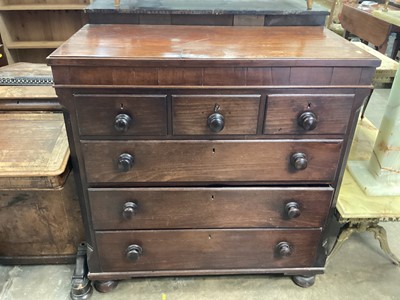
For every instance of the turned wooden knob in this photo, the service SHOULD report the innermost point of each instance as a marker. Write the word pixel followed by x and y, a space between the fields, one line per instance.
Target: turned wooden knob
pixel 216 122
pixel 284 249
pixel 133 252
pixel 292 210
pixel 299 161
pixel 125 162
pixel 129 210
pixel 307 120
pixel 122 122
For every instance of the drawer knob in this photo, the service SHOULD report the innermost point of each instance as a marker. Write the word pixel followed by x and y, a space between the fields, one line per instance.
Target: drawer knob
pixel 299 161
pixel 307 120
pixel 216 122
pixel 133 252
pixel 284 249
pixel 122 122
pixel 125 162
pixel 292 210
pixel 130 209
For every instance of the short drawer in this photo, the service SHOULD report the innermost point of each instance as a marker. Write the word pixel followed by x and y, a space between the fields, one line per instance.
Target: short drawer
pixel 156 208
pixel 121 115
pixel 136 162
pixel 206 249
pixel 308 114
pixel 215 114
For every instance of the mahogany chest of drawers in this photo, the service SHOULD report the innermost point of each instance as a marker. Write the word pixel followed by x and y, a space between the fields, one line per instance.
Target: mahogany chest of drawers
pixel 208 150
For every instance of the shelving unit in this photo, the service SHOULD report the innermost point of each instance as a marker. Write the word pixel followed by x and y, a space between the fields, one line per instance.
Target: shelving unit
pixel 32 29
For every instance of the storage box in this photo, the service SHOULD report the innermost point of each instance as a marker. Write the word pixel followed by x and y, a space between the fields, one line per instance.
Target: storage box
pixel 40 220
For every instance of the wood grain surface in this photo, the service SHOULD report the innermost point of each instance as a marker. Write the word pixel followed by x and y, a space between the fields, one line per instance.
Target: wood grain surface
pixel 210 161
pixel 332 111
pixel 96 114
pixel 206 249
pixel 208 207
pixel 33 145
pixel 188 45
pixel 190 113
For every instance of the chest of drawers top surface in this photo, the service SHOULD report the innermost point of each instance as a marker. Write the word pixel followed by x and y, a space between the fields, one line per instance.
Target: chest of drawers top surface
pixel 146 45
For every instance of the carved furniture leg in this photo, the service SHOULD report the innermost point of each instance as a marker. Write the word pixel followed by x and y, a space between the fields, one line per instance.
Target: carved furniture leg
pixel 304 281
pixel 105 286
pixel 344 235
pixel 380 234
pixel 81 287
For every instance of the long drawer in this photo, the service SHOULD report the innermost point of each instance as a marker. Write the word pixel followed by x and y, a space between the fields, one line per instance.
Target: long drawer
pixel 163 208
pixel 206 249
pixel 211 161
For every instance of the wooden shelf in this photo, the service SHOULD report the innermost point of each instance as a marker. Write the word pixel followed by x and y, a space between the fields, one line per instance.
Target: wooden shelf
pixel 34 44
pixel 43 7
pixel 32 29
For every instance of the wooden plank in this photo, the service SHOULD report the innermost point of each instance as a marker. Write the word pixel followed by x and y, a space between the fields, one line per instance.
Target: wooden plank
pixel 34 44
pixel 33 145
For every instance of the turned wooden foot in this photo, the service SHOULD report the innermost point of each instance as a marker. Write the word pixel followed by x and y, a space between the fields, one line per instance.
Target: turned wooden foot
pixel 81 286
pixel 105 286
pixel 304 281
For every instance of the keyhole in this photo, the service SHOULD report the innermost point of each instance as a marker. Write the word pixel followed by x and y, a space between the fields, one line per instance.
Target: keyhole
pixel 309 105
pixel 212 197
pixel 209 237
pixel 122 106
pixel 213 150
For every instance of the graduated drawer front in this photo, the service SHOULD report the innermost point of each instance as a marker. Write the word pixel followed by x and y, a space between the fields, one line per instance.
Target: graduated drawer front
pixel 163 208
pixel 210 161
pixel 191 113
pixel 206 249
pixel 283 113
pixel 97 114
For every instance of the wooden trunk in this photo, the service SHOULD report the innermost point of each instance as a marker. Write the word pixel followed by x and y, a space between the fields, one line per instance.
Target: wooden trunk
pixel 40 218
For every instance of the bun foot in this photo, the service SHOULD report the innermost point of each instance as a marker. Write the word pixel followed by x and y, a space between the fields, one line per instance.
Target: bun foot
pixel 304 281
pixel 105 286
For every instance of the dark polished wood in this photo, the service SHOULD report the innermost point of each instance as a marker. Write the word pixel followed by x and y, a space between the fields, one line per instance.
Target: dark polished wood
pixel 207 249
pixel 97 114
pixel 190 114
pixel 184 46
pixel 208 150
pixel 206 161
pixel 209 207
pixel 332 113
